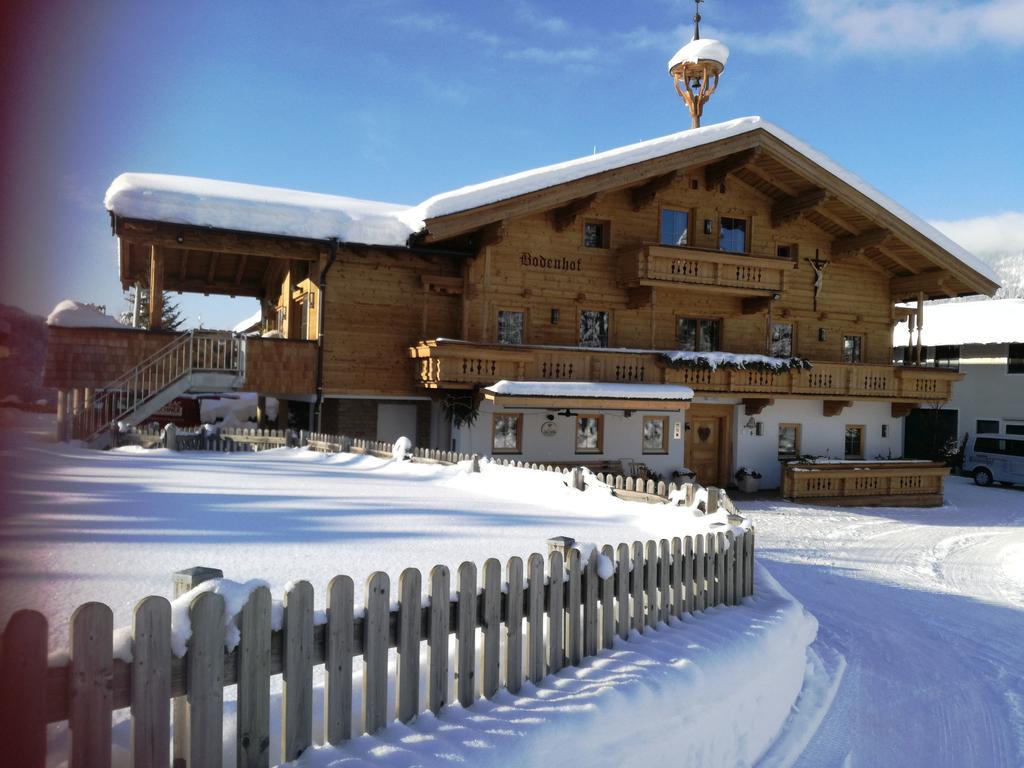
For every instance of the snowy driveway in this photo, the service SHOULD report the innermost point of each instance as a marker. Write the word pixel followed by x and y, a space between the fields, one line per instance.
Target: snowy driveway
pixel 927 607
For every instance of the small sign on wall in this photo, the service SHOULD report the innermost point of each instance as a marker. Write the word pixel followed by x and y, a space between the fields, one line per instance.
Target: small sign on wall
pixel 548 428
pixel 677 430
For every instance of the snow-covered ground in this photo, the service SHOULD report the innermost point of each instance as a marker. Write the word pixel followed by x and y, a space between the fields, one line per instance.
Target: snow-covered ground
pixel 917 660
pixel 925 610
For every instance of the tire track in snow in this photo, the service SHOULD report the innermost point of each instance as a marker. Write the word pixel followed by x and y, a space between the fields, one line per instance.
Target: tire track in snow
pixel 923 606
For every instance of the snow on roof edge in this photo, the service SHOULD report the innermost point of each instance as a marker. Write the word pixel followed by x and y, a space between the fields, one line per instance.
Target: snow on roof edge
pixel 587 389
pixel 248 207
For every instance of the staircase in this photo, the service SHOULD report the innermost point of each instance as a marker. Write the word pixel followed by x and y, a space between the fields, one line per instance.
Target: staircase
pixel 196 361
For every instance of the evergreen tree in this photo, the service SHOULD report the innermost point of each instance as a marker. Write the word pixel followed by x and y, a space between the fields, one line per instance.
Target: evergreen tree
pixel 171 317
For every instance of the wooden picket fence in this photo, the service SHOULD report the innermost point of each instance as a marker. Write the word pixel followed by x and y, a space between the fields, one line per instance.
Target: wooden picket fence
pixel 570 613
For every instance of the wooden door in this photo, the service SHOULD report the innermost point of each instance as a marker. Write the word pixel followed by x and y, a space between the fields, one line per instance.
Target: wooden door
pixel 707 443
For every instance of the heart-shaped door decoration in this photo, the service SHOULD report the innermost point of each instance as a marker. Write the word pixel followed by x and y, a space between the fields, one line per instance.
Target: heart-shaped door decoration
pixel 704 433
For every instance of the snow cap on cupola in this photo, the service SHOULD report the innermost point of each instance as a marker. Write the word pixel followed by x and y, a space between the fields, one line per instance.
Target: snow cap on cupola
pixel 695 69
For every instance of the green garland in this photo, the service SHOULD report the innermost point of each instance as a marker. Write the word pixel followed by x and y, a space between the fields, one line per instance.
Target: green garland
pixel 699 363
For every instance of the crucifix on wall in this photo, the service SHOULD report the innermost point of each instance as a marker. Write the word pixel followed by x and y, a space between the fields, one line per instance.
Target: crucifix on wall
pixel 819 267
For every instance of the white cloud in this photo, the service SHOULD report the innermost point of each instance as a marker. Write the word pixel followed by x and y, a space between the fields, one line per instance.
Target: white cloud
pixel 896 28
pixel 996 235
pixel 530 15
pixel 555 55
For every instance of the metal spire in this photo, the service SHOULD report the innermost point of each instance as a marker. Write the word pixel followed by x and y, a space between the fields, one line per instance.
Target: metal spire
pixel 696 20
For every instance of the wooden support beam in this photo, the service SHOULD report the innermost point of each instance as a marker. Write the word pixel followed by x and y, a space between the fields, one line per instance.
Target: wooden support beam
pixel 156 287
pixel 835 219
pixel 834 407
pixel 790 208
pixel 717 172
pixel 183 266
pixel 756 305
pixel 889 254
pixel 212 268
pixel 783 189
pixel 644 194
pixel 564 217
pixel 221 241
pixel 854 244
pixel 899 410
pixel 490 235
pixel 752 406
pixel 930 282
pixel 240 270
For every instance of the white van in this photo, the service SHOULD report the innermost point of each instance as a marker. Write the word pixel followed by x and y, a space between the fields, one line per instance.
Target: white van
pixel 995 457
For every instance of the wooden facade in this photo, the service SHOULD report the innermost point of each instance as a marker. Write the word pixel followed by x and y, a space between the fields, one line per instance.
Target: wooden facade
pixel 818 258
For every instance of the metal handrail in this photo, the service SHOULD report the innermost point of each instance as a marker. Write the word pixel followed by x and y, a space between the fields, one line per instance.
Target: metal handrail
pixel 192 351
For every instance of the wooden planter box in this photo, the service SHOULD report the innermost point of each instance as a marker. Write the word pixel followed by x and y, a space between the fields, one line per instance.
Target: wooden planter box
pixel 867 483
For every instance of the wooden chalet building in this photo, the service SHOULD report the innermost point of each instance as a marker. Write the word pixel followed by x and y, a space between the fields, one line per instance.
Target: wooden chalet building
pixel 718 298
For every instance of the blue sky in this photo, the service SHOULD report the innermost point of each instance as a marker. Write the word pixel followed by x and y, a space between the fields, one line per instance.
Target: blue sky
pixel 397 100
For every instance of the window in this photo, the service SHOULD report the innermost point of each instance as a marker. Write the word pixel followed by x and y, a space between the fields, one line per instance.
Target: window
pixel 786 251
pixel 675 227
pixel 903 356
pixel 510 327
pixel 782 340
pixel 1014 429
pixel 307 306
pixel 987 426
pixel 1015 359
pixel 281 317
pixel 997 446
pixel 589 435
pixel 854 443
pixel 732 235
pixel 655 434
pixel 508 433
pixel 698 335
pixel 593 328
pixel 789 441
pixel 947 356
pixel 851 349
pixel 595 234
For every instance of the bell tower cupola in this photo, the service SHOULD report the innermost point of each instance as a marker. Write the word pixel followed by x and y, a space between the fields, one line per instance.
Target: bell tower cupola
pixel 695 69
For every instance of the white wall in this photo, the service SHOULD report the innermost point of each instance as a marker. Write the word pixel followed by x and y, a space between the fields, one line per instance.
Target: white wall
pixel 819 435
pixel 622 438
pixel 987 391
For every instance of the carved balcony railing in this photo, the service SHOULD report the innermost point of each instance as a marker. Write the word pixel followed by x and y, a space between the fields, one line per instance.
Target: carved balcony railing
pixel 667 266
pixel 453 364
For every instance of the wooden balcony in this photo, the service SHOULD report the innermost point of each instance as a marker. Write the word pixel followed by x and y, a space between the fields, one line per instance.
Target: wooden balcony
pixel 734 273
pixel 889 483
pixel 452 364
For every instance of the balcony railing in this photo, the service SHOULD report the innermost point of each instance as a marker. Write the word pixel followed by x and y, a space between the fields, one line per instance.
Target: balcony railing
pixel 662 265
pixel 452 364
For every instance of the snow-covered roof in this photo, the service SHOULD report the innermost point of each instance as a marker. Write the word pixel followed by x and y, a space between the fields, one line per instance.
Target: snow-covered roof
pixel 696 50
pixel 250 208
pixel 74 314
pixel 587 389
pixel 249 322
pixel 993 321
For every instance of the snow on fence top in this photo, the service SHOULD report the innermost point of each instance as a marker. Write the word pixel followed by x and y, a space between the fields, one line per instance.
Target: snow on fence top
pixel 250 208
pixel 591 389
pixel 705 49
pixel 74 314
pixel 998 321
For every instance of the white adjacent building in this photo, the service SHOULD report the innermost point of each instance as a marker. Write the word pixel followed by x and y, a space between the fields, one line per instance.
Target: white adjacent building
pixel 983 340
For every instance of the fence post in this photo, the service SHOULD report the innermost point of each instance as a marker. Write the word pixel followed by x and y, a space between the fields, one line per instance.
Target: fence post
pixel 171 437
pixel 714 500
pixel 577 479
pixel 23 694
pixel 561 544
pixel 475 466
pixel 184 581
